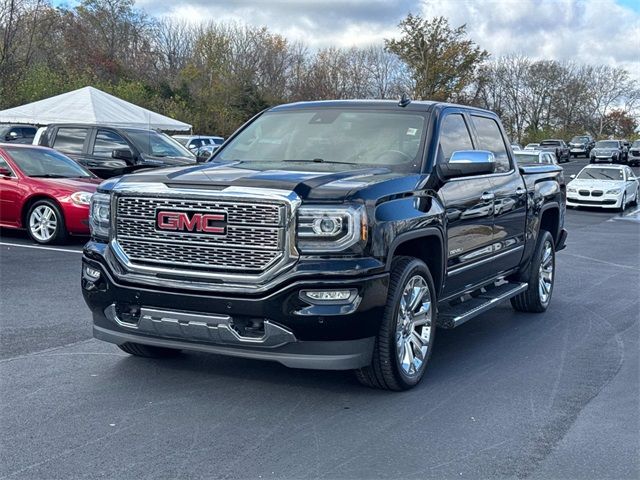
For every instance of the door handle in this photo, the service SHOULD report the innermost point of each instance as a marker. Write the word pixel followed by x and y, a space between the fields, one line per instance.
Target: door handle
pixel 520 191
pixel 487 197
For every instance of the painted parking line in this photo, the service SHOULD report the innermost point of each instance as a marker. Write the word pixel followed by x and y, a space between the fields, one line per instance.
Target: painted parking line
pixel 40 247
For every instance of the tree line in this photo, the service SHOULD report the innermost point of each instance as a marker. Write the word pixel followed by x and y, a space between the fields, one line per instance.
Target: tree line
pixel 216 75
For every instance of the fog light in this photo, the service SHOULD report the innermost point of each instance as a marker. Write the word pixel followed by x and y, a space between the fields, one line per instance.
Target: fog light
pixel 328 296
pixel 91 274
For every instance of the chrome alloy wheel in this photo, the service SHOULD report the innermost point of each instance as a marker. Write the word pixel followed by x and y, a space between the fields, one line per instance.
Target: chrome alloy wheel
pixel 545 273
pixel 413 326
pixel 43 223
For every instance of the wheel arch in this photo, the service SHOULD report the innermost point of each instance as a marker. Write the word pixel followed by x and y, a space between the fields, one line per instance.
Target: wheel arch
pixel 425 244
pixel 36 198
pixel 550 219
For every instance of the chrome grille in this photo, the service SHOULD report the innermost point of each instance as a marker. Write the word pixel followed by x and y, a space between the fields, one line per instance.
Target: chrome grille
pixel 254 239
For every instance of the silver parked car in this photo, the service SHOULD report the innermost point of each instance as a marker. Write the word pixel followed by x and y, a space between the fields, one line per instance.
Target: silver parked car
pixel 529 157
pixel 194 142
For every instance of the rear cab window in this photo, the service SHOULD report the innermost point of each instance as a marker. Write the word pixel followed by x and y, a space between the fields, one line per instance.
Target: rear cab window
pixel 490 138
pixel 70 139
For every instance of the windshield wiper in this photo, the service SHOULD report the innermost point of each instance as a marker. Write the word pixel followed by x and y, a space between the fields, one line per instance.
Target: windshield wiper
pixel 319 160
pixel 49 175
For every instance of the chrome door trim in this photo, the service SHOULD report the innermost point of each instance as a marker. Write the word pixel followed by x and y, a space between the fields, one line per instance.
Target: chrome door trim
pixel 464 268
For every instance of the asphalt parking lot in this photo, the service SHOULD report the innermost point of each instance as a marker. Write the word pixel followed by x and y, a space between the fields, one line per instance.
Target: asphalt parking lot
pixel 507 395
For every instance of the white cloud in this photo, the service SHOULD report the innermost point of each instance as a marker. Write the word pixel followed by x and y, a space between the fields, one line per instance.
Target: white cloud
pixel 586 31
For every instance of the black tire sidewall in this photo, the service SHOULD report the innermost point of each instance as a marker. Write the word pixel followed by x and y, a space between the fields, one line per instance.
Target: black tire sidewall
pixel 535 267
pixel 410 269
pixel 61 229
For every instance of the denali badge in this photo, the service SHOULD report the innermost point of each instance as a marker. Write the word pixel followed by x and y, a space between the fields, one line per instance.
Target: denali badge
pixel 214 223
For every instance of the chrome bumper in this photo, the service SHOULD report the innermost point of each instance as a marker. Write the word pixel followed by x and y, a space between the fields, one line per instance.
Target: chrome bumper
pixel 198 327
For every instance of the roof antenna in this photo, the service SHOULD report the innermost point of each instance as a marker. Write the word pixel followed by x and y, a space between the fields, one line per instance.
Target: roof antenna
pixel 404 100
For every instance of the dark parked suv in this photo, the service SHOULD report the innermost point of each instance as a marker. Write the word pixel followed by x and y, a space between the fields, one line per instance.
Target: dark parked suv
pixel 330 235
pixel 17 133
pixel 111 151
pixel 634 153
pixel 581 145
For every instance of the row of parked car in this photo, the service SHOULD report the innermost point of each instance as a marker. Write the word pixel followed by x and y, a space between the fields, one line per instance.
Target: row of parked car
pixel 609 151
pixel 81 155
pixel 48 191
pixel 109 151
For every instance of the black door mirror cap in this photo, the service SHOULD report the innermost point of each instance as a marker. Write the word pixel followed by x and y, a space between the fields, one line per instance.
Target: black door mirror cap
pixel 122 154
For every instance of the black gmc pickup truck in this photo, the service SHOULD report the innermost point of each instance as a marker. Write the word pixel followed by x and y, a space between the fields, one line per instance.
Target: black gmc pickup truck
pixel 326 235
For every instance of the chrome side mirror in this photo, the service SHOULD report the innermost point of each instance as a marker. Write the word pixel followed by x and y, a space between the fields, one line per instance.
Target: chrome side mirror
pixel 464 163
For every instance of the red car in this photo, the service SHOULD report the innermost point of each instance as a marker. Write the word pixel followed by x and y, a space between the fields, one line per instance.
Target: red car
pixel 45 192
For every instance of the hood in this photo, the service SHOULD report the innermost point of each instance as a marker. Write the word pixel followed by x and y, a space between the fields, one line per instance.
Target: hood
pixel 71 184
pixel 318 182
pixel 597 184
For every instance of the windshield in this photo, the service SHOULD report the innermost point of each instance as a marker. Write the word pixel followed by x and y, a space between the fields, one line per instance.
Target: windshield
pixel 46 163
pixel 636 144
pixel 157 144
pixel 601 174
pixel 331 135
pixel 550 143
pixel 607 145
pixel 524 158
pixel 580 139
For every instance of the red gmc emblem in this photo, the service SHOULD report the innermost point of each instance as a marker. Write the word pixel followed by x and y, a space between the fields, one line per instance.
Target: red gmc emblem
pixel 214 223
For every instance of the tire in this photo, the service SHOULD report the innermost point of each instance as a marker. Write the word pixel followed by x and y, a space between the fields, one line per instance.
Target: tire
pixel 634 202
pixel 623 203
pixel 533 299
pixel 148 351
pixel 45 223
pixel 398 334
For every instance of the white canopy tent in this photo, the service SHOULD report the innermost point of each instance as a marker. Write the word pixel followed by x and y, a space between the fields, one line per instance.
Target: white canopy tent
pixel 89 105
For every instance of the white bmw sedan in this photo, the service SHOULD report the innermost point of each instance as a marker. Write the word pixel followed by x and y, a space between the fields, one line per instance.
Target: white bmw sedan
pixel 613 186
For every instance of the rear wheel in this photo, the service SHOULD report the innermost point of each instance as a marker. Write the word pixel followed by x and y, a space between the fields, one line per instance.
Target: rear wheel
pixel 405 339
pixel 45 223
pixel 541 277
pixel 148 351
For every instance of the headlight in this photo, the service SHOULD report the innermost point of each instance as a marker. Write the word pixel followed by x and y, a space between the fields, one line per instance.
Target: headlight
pixel 571 190
pixel 81 198
pixel 613 191
pixel 331 228
pixel 99 215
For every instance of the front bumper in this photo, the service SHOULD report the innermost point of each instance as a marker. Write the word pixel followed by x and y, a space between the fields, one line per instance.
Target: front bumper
pixel 76 218
pixel 606 201
pixel 288 329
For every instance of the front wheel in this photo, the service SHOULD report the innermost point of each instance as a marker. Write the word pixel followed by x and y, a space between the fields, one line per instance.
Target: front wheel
pixel 623 203
pixel 45 223
pixel 541 277
pixel 405 338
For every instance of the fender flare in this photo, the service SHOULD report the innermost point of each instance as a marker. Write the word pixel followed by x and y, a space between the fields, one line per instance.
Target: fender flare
pixel 421 233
